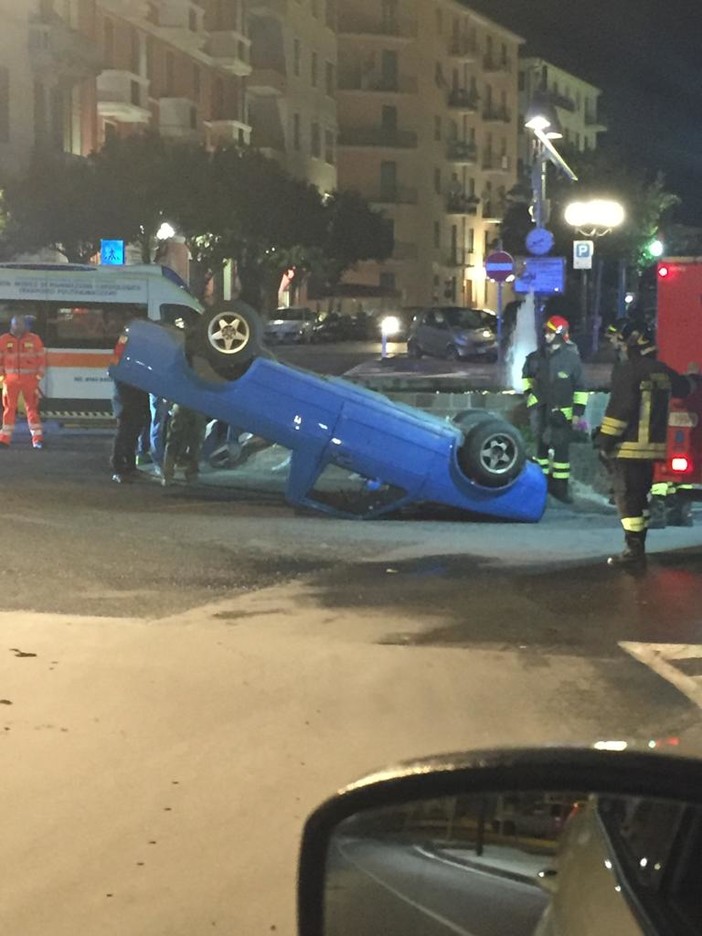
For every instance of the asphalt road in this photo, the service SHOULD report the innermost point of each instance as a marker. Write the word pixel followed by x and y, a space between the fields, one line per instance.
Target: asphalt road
pixel 198 667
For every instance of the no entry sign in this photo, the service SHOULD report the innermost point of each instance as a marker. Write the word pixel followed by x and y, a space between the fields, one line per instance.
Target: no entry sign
pixel 499 266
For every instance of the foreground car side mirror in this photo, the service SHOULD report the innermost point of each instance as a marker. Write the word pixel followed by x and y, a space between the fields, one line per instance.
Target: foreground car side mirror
pixel 544 842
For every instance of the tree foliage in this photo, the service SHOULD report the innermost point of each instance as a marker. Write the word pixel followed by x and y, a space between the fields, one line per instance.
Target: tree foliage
pixel 228 203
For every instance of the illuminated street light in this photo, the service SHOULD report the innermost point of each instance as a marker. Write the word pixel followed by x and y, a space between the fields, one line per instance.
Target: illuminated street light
pixel 165 232
pixel 595 217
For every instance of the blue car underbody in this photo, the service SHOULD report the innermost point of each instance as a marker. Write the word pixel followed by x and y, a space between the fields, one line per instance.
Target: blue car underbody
pixel 406 455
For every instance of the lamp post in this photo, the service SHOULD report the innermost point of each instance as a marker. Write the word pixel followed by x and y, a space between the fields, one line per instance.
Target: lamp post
pixel 594 219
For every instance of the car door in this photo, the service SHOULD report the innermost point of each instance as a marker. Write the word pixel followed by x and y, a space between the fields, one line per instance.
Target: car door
pixel 441 335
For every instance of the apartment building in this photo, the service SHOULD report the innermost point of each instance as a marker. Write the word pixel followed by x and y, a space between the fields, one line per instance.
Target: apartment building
pixel 576 102
pixel 428 107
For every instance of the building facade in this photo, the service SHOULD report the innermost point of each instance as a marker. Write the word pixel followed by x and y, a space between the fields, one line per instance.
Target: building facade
pixel 576 102
pixel 427 108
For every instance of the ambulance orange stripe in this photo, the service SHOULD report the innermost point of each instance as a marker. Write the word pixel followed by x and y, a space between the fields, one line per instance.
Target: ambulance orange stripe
pixel 75 359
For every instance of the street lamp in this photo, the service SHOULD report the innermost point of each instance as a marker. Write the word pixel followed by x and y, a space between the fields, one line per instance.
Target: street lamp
pixel 165 232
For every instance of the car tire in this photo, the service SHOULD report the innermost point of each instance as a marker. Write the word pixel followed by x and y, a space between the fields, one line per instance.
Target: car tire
pixel 467 419
pixel 452 353
pixel 230 339
pixel 413 349
pixel 493 453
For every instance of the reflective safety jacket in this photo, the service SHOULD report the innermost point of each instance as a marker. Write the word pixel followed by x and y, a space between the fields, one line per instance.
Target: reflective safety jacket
pixel 554 379
pixel 22 356
pixel 635 424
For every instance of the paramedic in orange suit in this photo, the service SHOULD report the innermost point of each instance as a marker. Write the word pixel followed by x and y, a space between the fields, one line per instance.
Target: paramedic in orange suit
pixel 22 366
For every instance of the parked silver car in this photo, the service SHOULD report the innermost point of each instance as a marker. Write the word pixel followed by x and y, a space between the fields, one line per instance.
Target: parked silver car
pixel 293 324
pixel 454 333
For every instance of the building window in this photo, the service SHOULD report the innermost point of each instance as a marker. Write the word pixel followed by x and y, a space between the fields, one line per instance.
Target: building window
pixel 197 82
pixel 437 128
pixel 329 154
pixel 170 74
pixel 437 181
pixel 149 58
pixel 296 132
pixel 4 105
pixel 388 282
pixel 437 234
pixel 135 52
pixel 193 118
pixel 192 21
pixel 330 79
pixel 316 140
pixel 297 57
pixel 470 233
pixel 314 69
pixel 314 6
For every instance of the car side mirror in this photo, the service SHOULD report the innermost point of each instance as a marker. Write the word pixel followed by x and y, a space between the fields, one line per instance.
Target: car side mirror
pixel 523 842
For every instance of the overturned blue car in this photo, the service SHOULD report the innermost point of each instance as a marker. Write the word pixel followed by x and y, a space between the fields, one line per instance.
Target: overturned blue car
pixel 395 455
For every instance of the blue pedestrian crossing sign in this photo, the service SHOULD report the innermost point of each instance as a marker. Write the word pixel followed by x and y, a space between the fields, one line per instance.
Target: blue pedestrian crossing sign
pixel 112 252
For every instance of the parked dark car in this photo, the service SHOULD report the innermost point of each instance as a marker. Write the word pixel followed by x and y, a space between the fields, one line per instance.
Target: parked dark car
pixel 454 333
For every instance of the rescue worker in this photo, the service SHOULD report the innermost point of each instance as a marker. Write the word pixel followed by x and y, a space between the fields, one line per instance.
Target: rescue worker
pixel 670 506
pixel 130 407
pixel 22 366
pixel 556 400
pixel 185 434
pixel 633 434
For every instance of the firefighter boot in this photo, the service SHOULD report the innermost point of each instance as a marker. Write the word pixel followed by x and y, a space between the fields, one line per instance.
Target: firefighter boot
pixel 634 554
pixel 558 488
pixel 659 512
pixel 680 511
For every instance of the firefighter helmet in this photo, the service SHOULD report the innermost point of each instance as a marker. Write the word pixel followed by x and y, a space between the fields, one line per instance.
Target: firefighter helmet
pixel 558 326
pixel 638 335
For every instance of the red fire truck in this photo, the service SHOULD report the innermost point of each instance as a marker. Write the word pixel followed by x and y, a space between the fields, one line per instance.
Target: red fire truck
pixel 679 339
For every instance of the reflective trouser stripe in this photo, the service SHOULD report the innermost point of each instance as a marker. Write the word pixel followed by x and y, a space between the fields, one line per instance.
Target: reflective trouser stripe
pixel 560 470
pixel 634 524
pixel 661 489
pixel 543 464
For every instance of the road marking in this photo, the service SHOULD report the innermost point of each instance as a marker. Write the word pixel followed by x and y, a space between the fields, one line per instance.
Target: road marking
pixel 670 662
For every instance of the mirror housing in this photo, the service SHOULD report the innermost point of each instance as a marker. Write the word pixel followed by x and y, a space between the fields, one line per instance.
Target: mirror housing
pixel 623 772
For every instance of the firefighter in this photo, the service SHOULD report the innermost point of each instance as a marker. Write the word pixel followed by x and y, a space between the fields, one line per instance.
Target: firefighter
pixel 670 506
pixel 633 434
pixel 556 401
pixel 22 366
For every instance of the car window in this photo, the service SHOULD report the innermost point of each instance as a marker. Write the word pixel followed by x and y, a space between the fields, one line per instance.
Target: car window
pixel 293 314
pixel 464 318
pixel 179 315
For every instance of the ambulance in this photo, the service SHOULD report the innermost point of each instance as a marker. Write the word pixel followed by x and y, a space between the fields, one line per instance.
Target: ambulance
pixel 679 340
pixel 79 312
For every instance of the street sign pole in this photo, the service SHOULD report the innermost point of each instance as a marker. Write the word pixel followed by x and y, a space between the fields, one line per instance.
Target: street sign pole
pixel 499 323
pixel 499 267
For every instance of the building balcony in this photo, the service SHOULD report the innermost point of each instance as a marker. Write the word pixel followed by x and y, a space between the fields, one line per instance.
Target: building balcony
pixel 464 48
pixel 377 84
pixel 461 258
pixel 231 50
pixel 396 195
pixel 462 99
pixel 267 81
pixel 177 118
pixel 228 131
pixel 593 122
pixel 493 162
pixel 494 210
pixel 182 23
pixel 377 27
pixel 461 151
pixel 496 115
pixel 377 136
pixel 129 9
pixel 462 204
pixel 275 8
pixel 494 66
pixel 62 53
pixel 123 96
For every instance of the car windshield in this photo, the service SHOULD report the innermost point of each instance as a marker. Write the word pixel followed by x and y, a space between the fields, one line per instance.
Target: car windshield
pixel 468 318
pixel 292 314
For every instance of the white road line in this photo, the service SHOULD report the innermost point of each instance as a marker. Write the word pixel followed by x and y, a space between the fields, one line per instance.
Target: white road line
pixel 449 924
pixel 661 659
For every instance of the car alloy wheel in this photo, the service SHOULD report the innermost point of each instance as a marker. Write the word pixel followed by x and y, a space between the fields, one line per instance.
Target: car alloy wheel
pixel 228 333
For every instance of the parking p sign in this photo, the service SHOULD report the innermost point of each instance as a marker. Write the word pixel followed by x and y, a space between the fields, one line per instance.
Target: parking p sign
pixel 583 251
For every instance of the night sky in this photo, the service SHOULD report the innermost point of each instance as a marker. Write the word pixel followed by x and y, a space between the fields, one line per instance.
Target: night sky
pixel 646 55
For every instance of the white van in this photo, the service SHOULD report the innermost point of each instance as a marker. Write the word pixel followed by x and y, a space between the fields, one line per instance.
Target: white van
pixel 79 312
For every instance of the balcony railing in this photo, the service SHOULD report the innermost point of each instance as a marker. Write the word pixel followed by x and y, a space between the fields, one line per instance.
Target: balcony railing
pixel 182 23
pixel 463 99
pixel 129 9
pixel 123 96
pixel 231 50
pixel 267 81
pixel 355 25
pixel 462 204
pixel 496 115
pixel 463 47
pixel 491 64
pixel 400 85
pixel 277 8
pixel 494 162
pixel 461 151
pixel 395 195
pixel 494 209
pixel 228 131
pixel 377 136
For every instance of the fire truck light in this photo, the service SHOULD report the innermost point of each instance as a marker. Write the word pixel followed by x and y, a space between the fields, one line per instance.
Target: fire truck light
pixel 663 271
pixel 680 464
